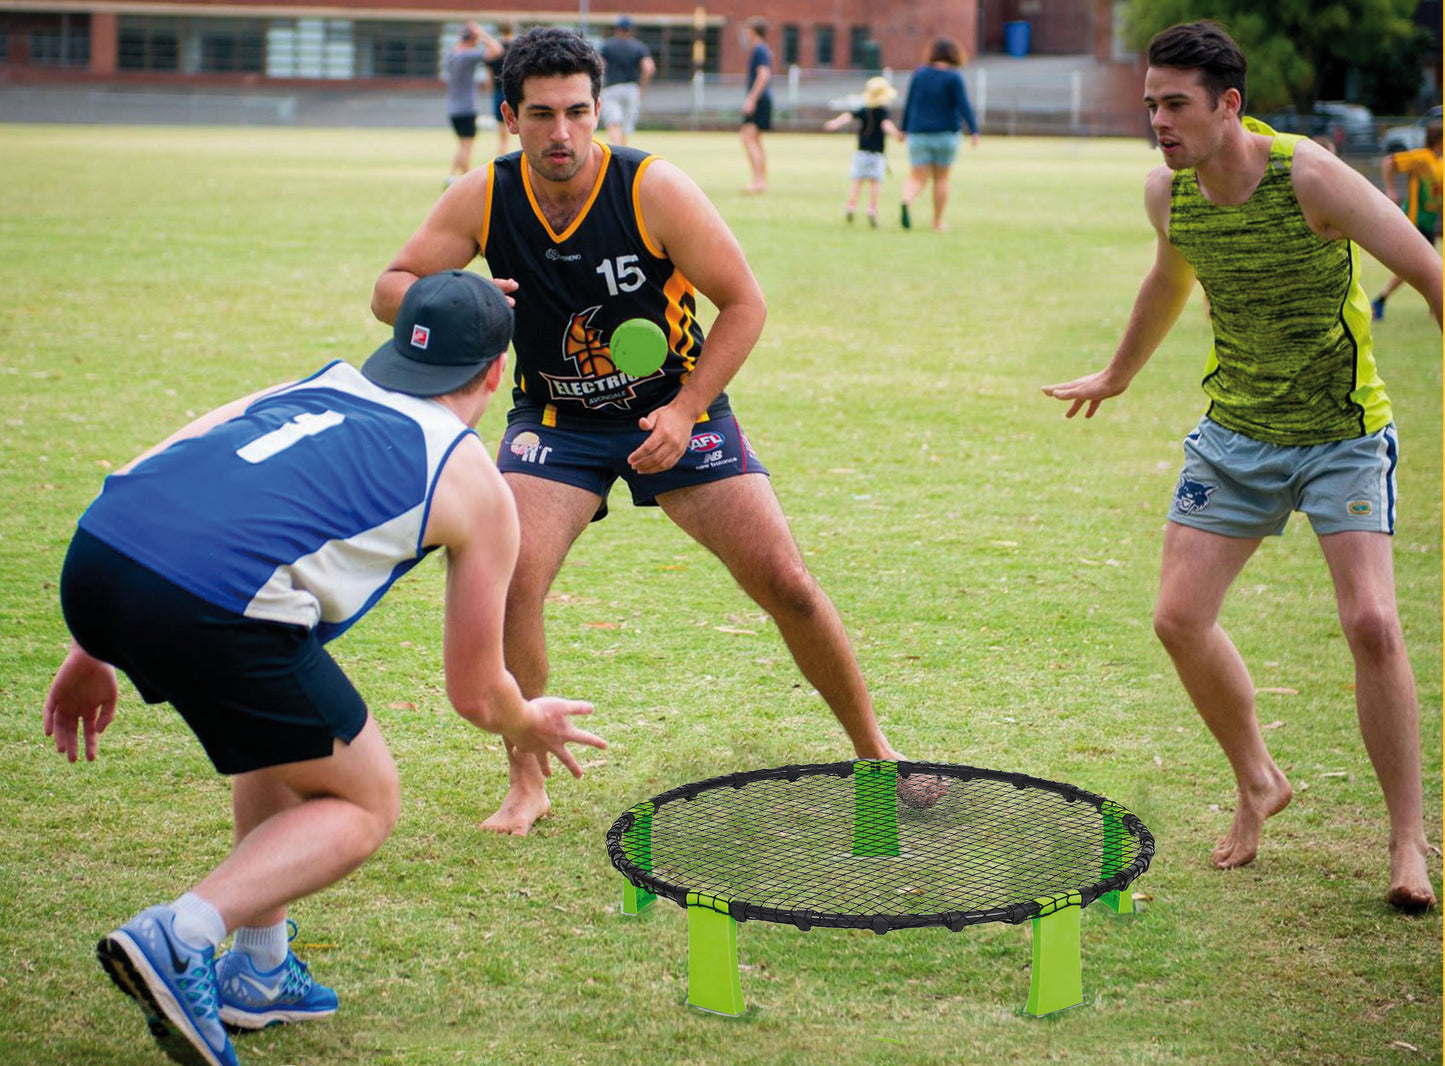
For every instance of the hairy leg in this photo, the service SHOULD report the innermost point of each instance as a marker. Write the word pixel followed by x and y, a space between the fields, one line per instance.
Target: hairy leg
pixel 1197 570
pixel 1362 566
pixel 551 515
pixel 739 520
pixel 308 825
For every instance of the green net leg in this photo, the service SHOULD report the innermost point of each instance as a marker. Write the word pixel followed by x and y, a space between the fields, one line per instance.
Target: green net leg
pixel 875 807
pixel 635 900
pixel 1056 981
pixel 712 957
pixel 637 846
pixel 1122 901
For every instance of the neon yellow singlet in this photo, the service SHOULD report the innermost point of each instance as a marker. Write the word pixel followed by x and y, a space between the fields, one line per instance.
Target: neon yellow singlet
pixel 1292 361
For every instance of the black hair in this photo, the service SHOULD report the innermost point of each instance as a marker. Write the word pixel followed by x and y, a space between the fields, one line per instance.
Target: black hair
pixel 548 52
pixel 1206 47
pixel 944 50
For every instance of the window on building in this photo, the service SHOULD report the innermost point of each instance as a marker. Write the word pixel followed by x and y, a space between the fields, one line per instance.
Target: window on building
pixel 396 50
pixel 824 47
pixel 790 44
pixel 862 51
pixel 230 45
pixel 60 41
pixel 148 43
pixel 672 49
pixel 310 48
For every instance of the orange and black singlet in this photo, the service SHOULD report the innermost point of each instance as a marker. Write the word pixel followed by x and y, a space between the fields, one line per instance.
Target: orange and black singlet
pixel 577 286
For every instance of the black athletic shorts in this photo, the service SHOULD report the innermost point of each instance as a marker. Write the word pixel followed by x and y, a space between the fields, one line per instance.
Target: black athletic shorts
pixel 762 116
pixel 256 693
pixel 464 125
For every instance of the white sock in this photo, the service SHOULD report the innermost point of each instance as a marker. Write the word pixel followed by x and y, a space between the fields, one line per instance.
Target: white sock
pixel 198 923
pixel 267 946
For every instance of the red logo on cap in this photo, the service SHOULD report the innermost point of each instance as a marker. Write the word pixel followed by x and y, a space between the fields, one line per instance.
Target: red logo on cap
pixel 420 335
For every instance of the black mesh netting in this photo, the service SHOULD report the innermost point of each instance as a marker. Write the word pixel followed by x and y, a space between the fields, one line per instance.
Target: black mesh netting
pixel 971 846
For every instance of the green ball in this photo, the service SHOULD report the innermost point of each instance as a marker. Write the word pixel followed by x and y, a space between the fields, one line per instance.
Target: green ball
pixel 638 347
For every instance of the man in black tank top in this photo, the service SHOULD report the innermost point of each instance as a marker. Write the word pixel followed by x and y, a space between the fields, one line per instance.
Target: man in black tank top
pixel 584 237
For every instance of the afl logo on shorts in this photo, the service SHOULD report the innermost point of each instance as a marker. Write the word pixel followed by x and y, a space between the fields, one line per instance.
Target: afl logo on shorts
pixel 420 336
pixel 703 442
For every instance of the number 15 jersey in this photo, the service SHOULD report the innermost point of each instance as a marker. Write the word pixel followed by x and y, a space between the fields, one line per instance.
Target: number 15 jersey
pixel 577 286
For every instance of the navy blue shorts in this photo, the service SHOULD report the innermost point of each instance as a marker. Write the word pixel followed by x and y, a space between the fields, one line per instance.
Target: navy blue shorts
pixel 593 459
pixel 256 693
pixel 464 125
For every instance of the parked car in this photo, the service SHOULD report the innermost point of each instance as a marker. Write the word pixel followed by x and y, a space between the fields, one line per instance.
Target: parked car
pixel 1350 126
pixel 1404 138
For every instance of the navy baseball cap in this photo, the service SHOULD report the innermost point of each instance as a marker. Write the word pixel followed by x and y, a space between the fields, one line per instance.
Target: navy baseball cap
pixel 451 327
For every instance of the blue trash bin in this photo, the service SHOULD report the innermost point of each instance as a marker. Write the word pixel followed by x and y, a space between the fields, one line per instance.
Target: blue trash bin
pixel 1016 38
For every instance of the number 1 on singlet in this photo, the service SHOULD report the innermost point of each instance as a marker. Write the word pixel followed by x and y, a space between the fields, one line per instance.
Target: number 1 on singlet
pixel 298 429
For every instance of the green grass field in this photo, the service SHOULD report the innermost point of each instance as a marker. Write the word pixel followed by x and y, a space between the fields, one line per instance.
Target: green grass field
pixel 995 564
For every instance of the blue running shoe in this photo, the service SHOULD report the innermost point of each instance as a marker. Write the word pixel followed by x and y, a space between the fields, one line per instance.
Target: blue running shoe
pixel 253 999
pixel 174 984
pixel 1377 309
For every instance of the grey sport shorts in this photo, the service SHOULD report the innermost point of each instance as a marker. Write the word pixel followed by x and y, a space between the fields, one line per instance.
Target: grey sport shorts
pixel 1241 487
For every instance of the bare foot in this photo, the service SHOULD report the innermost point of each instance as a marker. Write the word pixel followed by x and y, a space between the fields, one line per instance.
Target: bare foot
pixel 1409 879
pixel 755 189
pixel 1241 843
pixel 518 813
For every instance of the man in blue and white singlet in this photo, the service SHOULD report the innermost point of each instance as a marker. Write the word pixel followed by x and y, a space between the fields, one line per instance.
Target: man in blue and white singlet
pixel 213 569
pixel 585 237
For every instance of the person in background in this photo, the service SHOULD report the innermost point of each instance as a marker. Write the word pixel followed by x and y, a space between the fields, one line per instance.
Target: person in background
pixel 758 103
pixel 475 47
pixel 1422 196
pixel 934 114
pixel 494 67
pixel 629 69
pixel 869 162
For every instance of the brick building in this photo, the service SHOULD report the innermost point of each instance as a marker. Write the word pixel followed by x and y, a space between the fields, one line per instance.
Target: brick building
pixel 387 43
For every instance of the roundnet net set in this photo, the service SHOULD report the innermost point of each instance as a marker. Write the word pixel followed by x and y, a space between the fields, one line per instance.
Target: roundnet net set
pixel 925 844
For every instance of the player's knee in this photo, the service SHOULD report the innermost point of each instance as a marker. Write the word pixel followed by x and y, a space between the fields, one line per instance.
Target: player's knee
pixel 1175 627
pixel 789 589
pixel 1373 631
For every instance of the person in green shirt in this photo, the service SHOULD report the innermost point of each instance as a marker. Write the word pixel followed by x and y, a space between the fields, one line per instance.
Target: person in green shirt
pixel 1298 418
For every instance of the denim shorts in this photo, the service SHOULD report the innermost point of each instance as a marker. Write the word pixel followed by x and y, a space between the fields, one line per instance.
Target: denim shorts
pixel 1241 487
pixel 933 149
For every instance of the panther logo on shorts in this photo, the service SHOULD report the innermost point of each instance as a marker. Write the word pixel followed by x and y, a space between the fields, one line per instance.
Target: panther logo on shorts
pixel 1192 496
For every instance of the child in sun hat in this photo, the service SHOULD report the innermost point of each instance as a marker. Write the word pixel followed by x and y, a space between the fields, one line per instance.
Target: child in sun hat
pixel 869 162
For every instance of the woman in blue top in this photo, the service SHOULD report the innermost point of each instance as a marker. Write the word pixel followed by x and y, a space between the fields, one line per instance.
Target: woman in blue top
pixel 934 115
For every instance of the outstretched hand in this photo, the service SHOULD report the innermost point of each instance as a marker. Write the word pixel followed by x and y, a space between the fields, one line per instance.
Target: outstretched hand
pixel 81 700
pixel 551 730
pixel 1092 389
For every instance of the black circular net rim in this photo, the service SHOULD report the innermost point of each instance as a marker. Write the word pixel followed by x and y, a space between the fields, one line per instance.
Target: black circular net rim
pixel 954 920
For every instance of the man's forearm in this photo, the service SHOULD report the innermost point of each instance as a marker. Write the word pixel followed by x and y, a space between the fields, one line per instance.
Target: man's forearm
pixel 386 296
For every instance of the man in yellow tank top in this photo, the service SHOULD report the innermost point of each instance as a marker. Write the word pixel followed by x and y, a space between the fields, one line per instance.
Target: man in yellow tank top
pixel 1298 419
